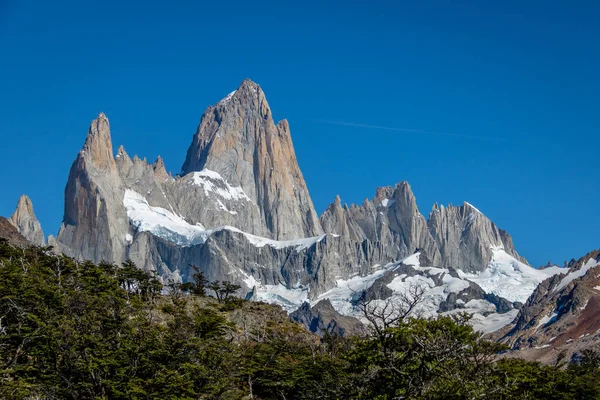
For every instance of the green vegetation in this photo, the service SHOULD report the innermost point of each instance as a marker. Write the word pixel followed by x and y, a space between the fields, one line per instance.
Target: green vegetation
pixel 72 330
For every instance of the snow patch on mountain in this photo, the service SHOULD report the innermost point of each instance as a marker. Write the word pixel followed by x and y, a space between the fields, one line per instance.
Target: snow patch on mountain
pixel 213 182
pixel 571 276
pixel 547 320
pixel 226 99
pixel 507 277
pixel 161 222
pixel 348 290
pixel 387 202
pixel 492 322
pixel 298 244
pixel 174 228
pixel 473 207
pixel 288 299
pixel 222 207
pixel 344 296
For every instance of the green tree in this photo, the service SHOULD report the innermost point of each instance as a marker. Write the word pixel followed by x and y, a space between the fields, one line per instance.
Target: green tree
pixel 223 289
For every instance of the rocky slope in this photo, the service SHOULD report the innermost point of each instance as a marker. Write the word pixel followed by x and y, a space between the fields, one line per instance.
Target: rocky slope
pixel 11 234
pixel 240 210
pixel 25 221
pixel 322 317
pixel 562 314
pixel 441 291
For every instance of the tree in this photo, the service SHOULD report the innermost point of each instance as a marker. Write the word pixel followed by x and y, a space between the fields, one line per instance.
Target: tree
pixel 200 282
pixel 223 289
pixel 80 330
pixel 384 314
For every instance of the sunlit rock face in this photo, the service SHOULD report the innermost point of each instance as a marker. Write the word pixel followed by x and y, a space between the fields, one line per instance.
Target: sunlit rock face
pixel 25 221
pixel 240 211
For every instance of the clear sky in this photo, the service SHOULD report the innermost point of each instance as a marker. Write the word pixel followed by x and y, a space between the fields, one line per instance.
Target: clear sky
pixel 512 92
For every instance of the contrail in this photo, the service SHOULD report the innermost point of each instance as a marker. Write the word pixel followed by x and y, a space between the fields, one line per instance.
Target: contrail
pixel 387 128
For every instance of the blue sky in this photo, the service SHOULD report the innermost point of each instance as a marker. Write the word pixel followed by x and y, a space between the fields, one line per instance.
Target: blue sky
pixel 511 91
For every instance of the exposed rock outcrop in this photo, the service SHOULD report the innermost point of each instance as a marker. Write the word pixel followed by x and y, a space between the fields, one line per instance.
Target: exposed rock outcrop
pixel 241 211
pixel 322 318
pixel 238 139
pixel 9 232
pixel 390 221
pixel 453 237
pixel 25 221
pixel 562 314
pixel 465 237
pixel 94 223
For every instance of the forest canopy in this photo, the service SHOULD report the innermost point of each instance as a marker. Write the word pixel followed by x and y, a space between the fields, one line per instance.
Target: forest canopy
pixel 79 330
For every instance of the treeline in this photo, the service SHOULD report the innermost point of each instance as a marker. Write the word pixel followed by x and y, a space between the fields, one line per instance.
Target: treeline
pixel 71 330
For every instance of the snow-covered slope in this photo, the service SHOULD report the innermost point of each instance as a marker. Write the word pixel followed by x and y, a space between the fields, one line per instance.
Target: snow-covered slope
pixel 571 276
pixel 174 228
pixel 438 284
pixel 289 299
pixel 445 291
pixel 509 278
pixel 441 287
pixel 562 316
pixel 161 222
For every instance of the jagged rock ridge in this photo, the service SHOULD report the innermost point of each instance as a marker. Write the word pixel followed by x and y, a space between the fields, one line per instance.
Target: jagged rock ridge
pixel 25 221
pixel 241 211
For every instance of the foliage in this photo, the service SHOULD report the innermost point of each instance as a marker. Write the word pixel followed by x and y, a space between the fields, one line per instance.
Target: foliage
pixel 77 330
pixel 223 290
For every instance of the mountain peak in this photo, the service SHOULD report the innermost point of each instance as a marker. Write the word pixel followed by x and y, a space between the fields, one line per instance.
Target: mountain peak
pixel 98 144
pixel 247 91
pixel 93 226
pixel 239 140
pixel 404 186
pixel 406 197
pixel 248 85
pixel 25 221
pixel 471 206
pixel 24 206
pixel 466 237
pixel 160 171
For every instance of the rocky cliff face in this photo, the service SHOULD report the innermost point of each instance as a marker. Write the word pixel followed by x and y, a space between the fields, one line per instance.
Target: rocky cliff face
pixel 390 218
pixel 562 314
pixel 465 237
pixel 25 221
pixel 454 237
pixel 240 210
pixel 93 225
pixel 238 139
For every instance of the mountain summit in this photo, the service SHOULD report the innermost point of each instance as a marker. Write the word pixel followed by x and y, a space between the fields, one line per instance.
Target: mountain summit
pixel 26 222
pixel 93 226
pixel 240 211
pixel 238 139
